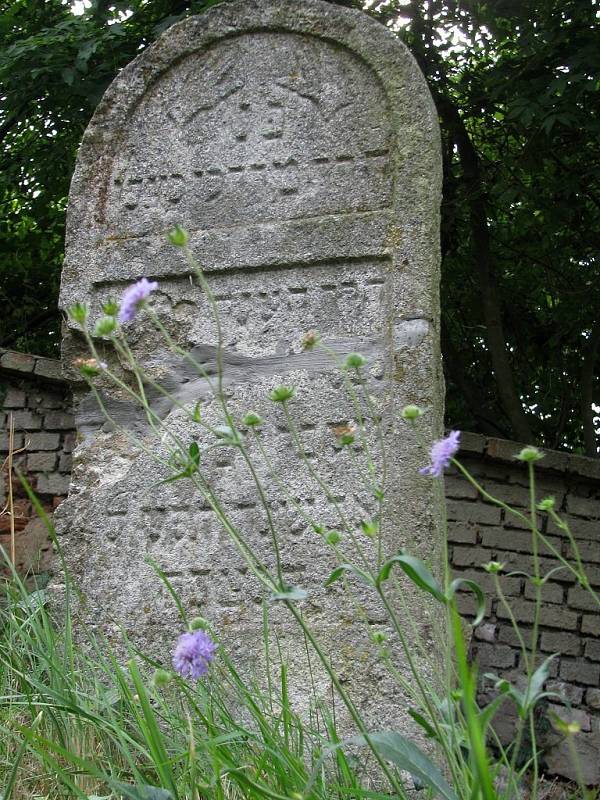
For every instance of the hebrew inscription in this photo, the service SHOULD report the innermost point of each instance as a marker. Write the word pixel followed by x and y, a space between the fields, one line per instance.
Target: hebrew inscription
pixel 260 127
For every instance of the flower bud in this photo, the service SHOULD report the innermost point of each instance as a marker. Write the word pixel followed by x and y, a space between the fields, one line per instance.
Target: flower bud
pixel 178 236
pixel 411 412
pixel 354 361
pixel 161 678
pixel 78 313
pixel 105 326
pixel 333 537
pixel 529 454
pixel 251 420
pixel 547 504
pixel 89 367
pixel 369 527
pixel 379 637
pixel 282 394
pixel 493 567
pixel 111 308
pixel 199 624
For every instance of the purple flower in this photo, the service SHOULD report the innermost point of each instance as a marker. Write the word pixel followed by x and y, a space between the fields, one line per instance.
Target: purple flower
pixel 193 654
pixel 133 297
pixel 441 454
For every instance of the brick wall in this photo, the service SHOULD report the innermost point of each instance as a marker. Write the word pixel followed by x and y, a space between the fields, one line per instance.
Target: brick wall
pixel 480 532
pixel 32 390
pixel 37 399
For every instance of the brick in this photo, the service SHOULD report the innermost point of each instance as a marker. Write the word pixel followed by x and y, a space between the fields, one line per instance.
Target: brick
pixel 467 605
pixel 509 493
pixel 69 442
pixel 586 467
pixel 473 512
pixel 470 556
pixel 513 522
pixel 589 551
pixel 49 368
pixel 59 420
pixel 569 715
pixel 14 398
pixel 583 506
pixel 523 563
pixel 580 598
pixel 517 540
pixel 44 441
pixel 19 362
pixel 27 421
pixel 580 671
pixel 471 442
pixel 494 655
pixel 592 649
pixel 560 642
pixel 41 462
pixel 551 616
pixel 509 585
pixel 47 399
pixel 18 440
pixel 462 533
pixel 485 632
pixel 580 528
pixel 568 691
pixel 551 592
pixel 507 635
pixel 65 463
pixel 459 488
pixel 592 698
pixel 591 624
pixel 53 484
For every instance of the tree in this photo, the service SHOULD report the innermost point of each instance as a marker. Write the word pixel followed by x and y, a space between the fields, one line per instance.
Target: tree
pixel 517 90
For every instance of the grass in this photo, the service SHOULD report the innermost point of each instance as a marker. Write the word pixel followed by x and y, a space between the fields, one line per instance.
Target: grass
pixel 77 723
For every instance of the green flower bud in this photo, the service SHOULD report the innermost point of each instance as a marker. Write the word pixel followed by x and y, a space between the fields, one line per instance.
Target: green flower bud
pixel 79 313
pixel 379 637
pixel 493 567
pixel 199 624
pixel 251 420
pixel 161 678
pixel 529 454
pixel 178 236
pixel 282 393
pixel 411 412
pixel 369 527
pixel 547 504
pixel 111 308
pixel 333 537
pixel 105 326
pixel 89 367
pixel 354 361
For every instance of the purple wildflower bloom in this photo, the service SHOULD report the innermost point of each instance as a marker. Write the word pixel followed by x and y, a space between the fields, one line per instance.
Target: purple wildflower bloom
pixel 193 653
pixel 441 454
pixel 133 297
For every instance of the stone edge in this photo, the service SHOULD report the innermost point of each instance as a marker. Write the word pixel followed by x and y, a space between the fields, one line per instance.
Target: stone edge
pixel 33 367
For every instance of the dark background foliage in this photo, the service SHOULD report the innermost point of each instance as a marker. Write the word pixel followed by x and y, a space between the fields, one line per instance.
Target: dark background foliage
pixel 517 87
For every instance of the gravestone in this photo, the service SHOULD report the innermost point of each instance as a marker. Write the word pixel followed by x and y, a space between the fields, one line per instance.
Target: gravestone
pixel 298 145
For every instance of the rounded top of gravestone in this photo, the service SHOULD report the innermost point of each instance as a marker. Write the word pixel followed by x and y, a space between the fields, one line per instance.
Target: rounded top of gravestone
pixel 276 131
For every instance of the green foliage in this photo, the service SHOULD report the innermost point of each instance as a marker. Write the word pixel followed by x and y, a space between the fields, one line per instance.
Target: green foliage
pixel 517 88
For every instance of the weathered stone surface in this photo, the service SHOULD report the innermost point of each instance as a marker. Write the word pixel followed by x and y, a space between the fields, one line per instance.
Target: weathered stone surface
pixel 298 144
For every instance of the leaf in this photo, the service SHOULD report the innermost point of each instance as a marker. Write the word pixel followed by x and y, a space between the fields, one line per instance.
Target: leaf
pixel 477 591
pixel 416 570
pixel 143 792
pixel 536 683
pixel 339 571
pixel 422 722
pixel 291 593
pixel 405 755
